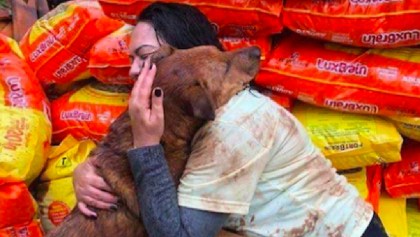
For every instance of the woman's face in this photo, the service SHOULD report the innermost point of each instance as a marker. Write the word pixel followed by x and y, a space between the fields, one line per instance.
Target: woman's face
pixel 144 42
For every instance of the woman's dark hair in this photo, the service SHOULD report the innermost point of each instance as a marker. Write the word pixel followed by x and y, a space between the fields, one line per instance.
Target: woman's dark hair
pixel 180 25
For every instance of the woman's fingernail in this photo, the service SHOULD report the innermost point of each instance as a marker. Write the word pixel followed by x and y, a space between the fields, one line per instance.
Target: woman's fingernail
pixel 158 92
pixel 114 207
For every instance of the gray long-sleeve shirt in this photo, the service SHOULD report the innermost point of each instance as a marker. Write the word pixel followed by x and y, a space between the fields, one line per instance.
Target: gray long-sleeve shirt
pixel 157 196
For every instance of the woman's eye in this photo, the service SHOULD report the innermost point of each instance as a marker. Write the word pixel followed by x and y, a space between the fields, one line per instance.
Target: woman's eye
pixel 144 56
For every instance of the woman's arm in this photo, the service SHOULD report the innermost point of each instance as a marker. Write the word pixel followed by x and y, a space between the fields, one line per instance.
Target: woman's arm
pixel 158 199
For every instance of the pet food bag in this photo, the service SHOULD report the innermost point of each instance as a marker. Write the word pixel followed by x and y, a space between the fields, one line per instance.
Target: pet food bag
pixel 56 199
pixel 413 218
pixel 109 61
pixel 393 214
pixel 29 229
pixel 55 193
pixel 231 18
pixel 366 23
pixel 402 179
pixel 19 87
pixel 64 158
pixel 350 140
pixel 375 81
pixel 367 182
pixel 9 45
pixel 87 113
pixel 408 126
pixel 58 44
pixel 282 100
pixel 25 129
pixel 232 43
pixel 25 136
pixel 16 203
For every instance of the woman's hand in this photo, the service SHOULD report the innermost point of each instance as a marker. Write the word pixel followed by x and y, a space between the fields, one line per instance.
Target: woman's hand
pixel 91 189
pixel 146 109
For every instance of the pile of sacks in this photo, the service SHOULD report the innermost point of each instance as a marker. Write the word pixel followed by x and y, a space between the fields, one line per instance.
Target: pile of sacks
pixel 348 67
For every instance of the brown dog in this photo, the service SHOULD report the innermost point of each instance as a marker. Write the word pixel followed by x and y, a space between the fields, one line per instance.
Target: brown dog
pixel 196 82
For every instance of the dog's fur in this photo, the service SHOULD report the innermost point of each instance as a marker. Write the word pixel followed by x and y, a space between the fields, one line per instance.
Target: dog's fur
pixel 196 82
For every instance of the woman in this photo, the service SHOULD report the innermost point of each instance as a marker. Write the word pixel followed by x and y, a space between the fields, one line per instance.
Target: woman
pixel 261 176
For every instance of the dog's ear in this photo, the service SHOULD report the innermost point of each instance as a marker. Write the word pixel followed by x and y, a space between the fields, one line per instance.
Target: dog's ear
pixel 163 52
pixel 200 104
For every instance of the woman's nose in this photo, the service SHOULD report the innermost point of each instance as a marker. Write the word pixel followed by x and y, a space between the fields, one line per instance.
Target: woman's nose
pixel 135 69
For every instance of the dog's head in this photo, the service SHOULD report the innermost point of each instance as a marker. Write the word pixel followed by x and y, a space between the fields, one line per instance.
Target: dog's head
pixel 203 78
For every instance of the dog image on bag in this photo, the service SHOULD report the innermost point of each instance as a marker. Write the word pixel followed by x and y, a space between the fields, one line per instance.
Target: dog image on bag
pixel 196 82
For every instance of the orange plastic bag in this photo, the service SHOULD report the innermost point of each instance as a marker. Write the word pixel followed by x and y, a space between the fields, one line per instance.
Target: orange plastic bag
pixel 16 203
pixel 231 18
pixel 282 100
pixel 375 81
pixel 402 179
pixel 32 229
pixel 86 113
pixel 367 23
pixel 374 182
pixel 57 46
pixel 232 43
pixel 109 61
pixel 19 87
pixel 9 45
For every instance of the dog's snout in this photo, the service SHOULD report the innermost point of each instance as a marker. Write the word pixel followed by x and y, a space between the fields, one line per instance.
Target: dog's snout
pixel 254 52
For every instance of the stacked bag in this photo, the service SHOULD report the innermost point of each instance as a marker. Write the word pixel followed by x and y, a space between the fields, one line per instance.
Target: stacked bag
pixel 350 65
pixel 24 110
pixel 58 48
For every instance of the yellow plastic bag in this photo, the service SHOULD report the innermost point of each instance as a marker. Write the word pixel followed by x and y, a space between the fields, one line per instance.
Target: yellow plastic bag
pixel 350 140
pixel 408 126
pixel 63 159
pixel 55 193
pixel 413 218
pixel 392 212
pixel 357 178
pixel 56 199
pixel 24 142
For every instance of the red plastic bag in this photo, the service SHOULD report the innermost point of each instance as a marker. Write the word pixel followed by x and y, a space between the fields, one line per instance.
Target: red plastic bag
pixel 367 23
pixel 374 183
pixel 402 179
pixel 375 81
pixel 109 61
pixel 18 84
pixel 86 113
pixel 282 100
pixel 232 43
pixel 57 46
pixel 31 229
pixel 232 18
pixel 16 203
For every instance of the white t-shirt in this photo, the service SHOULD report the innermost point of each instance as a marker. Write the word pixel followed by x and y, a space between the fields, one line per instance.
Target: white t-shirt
pixel 256 162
